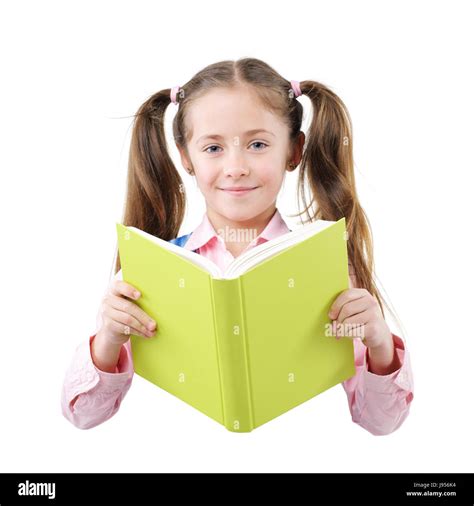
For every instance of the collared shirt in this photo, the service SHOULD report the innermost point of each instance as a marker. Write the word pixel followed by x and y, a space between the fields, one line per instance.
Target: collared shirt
pixel 205 240
pixel 378 403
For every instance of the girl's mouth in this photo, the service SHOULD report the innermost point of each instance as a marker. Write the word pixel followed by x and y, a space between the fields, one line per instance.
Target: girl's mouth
pixel 239 191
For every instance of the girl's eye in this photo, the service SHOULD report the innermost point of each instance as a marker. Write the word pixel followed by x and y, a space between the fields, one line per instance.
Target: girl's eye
pixel 259 142
pixel 256 142
pixel 211 152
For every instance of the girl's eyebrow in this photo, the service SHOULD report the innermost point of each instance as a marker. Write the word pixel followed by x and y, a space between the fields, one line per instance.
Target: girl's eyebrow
pixel 250 132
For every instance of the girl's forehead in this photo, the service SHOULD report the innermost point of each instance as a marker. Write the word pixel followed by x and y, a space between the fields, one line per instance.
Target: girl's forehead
pixel 231 110
pixel 221 101
pixel 231 92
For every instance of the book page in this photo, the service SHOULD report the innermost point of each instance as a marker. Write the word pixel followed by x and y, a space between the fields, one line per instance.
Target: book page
pixel 195 258
pixel 247 260
pixel 270 248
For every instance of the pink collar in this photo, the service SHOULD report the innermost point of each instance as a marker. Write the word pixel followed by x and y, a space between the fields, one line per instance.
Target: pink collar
pixel 205 232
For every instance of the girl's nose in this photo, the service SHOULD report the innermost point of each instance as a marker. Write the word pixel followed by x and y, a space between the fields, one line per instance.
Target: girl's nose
pixel 235 165
pixel 235 170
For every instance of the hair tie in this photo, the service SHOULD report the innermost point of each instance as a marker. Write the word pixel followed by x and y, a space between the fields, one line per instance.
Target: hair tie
pixel 173 93
pixel 295 86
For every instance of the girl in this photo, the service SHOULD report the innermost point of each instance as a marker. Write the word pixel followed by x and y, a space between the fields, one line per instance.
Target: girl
pixel 238 129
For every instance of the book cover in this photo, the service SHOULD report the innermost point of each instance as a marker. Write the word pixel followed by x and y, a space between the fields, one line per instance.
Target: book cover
pixel 243 350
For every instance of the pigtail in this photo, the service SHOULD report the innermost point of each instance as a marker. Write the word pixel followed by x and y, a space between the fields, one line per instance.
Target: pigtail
pixel 327 165
pixel 155 199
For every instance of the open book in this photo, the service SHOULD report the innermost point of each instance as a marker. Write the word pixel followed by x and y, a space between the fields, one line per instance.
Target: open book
pixel 245 345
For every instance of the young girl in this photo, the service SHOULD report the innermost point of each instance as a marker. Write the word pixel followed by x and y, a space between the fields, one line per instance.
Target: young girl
pixel 238 129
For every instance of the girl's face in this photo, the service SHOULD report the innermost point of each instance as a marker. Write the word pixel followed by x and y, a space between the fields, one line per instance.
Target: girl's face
pixel 236 143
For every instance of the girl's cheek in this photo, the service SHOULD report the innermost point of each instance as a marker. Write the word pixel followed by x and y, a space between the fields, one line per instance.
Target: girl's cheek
pixel 206 183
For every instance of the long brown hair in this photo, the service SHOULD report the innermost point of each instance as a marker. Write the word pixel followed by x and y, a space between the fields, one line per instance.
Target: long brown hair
pixel 156 198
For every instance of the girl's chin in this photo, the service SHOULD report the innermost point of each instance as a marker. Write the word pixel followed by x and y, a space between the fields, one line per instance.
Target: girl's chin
pixel 246 214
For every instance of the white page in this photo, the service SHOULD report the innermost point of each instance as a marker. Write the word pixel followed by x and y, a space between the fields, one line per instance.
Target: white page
pixel 248 259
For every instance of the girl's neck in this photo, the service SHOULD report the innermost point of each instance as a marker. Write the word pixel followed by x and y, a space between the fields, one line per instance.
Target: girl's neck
pixel 238 234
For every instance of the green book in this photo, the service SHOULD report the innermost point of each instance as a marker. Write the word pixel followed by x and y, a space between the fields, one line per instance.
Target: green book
pixel 245 345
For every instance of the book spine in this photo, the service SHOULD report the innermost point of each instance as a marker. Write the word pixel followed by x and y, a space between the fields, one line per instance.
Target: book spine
pixel 232 354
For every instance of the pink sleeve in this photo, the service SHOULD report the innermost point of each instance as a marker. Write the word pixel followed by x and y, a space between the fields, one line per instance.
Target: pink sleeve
pixel 379 403
pixel 89 395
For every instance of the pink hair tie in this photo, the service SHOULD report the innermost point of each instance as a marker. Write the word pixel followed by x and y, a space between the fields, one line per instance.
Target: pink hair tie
pixel 173 93
pixel 295 86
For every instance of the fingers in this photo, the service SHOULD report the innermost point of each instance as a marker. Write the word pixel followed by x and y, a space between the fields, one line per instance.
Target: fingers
pixel 116 327
pixel 121 304
pixel 126 319
pixel 346 296
pixel 120 287
pixel 352 308
pixel 358 319
pixel 353 326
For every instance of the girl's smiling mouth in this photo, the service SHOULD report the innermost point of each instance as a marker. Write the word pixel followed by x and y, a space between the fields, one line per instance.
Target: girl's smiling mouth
pixel 239 190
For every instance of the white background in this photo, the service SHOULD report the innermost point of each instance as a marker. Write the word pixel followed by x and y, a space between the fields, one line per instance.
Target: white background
pixel 75 72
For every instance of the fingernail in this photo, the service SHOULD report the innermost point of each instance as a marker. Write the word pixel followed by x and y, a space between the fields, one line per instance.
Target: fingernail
pixel 151 325
pixel 136 294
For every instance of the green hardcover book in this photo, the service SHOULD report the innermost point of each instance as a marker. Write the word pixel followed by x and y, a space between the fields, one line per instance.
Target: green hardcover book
pixel 245 345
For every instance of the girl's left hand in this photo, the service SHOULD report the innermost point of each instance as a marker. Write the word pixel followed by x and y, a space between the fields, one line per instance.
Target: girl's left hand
pixel 356 308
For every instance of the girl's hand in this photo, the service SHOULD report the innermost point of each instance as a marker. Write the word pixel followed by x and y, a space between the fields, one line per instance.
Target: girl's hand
pixel 122 317
pixel 356 313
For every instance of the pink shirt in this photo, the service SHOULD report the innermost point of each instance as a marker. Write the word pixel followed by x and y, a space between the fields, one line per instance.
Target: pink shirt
pixel 378 403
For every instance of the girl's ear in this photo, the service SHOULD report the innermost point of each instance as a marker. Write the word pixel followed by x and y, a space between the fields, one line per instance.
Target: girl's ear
pixel 297 153
pixel 299 147
pixel 186 162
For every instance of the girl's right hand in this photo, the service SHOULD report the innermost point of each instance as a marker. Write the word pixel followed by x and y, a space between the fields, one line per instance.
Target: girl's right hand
pixel 122 317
